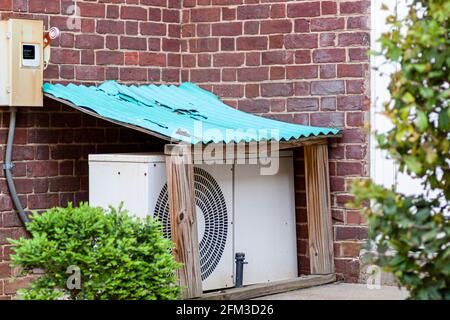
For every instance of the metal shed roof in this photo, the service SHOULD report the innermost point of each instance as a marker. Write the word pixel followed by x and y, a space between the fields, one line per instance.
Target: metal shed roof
pixel 184 113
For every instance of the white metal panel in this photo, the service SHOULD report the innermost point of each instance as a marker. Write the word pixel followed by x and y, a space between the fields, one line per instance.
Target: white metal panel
pixel 264 219
pixel 113 183
pixel 223 274
pixel 383 169
pixel 4 58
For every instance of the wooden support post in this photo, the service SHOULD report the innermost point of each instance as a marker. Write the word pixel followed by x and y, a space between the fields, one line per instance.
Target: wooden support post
pixel 320 226
pixel 180 182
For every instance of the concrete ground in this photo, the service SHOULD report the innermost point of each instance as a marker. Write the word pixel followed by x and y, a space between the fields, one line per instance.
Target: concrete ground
pixel 342 291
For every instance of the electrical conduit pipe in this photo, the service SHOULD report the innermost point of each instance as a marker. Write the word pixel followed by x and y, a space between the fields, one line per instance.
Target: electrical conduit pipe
pixel 8 166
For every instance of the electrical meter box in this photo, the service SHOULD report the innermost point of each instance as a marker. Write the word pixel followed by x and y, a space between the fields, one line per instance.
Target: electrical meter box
pixel 22 63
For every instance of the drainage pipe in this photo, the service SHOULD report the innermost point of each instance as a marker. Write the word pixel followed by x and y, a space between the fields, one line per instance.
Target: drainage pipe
pixel 8 166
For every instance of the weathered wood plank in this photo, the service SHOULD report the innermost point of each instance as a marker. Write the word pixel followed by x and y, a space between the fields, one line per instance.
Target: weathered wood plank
pixel 320 227
pixel 180 182
pixel 269 288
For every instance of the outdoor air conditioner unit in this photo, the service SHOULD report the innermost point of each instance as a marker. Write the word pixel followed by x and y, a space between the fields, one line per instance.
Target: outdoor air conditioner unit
pixel 238 210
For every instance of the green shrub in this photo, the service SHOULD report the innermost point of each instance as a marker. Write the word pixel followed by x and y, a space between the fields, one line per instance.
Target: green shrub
pixel 412 233
pixel 119 257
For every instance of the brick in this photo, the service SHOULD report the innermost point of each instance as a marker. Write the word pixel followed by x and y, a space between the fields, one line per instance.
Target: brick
pixel 278 10
pixel 355 119
pixel 228 59
pixel 65 56
pixel 133 13
pixel 329 7
pixel 350 70
pixel 302 25
pixel 204 45
pixel 132 74
pixel 171 16
pixel 253 74
pixel 112 42
pixel 133 43
pixel 352 7
pixel 153 29
pixel 349 169
pixel 112 12
pixel 301 41
pixel 6 5
pixel 328 119
pixel 253 12
pixel 152 59
pixel 227 29
pixel 154 14
pixel 5 270
pixel 277 57
pixel 44 6
pixel 358 54
pixel 355 86
pixel 355 152
pixel 302 56
pixel 350 233
pixel 302 88
pixel 328 104
pixel 358 23
pixel 109 57
pixel 61 184
pixel 252 91
pixel 350 103
pixel 228 13
pixel 171 45
pixel 277 89
pixel 42 169
pixel 276 26
pixel 350 135
pixel 96 10
pixel 251 27
pixel 303 9
pixel 327 24
pixel 90 73
pixel 328 55
pixel 355 38
pixel 327 71
pixel 254 105
pixel 210 75
pixel 132 28
pixel 109 26
pixel 276 41
pixel 229 90
pixel 301 72
pixel 277 73
pixel 302 104
pixel 205 14
pixel 327 39
pixel 251 43
pixel 86 41
pixel 327 87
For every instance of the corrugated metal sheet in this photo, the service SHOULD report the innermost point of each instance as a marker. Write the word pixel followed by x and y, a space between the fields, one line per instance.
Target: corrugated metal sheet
pixel 183 113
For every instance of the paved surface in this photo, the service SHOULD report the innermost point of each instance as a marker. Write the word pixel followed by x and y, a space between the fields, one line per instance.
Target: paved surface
pixel 342 291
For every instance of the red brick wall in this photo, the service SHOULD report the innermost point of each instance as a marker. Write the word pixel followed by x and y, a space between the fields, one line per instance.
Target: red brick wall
pixel 126 40
pixel 298 61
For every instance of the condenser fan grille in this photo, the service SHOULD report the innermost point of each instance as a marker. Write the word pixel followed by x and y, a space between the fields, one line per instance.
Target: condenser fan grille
pixel 211 202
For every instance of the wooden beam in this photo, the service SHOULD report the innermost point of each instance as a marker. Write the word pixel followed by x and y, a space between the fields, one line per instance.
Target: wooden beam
pixel 269 288
pixel 320 228
pixel 183 220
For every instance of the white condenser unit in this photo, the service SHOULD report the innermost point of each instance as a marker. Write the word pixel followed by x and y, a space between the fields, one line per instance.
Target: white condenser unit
pixel 238 210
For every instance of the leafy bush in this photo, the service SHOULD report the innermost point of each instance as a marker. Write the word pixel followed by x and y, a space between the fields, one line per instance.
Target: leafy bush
pixel 416 228
pixel 119 257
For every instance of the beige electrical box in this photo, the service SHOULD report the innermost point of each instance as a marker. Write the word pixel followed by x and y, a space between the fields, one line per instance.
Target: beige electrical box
pixel 21 63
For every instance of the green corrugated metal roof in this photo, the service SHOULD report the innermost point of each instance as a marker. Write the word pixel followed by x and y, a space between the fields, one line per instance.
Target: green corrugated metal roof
pixel 175 112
